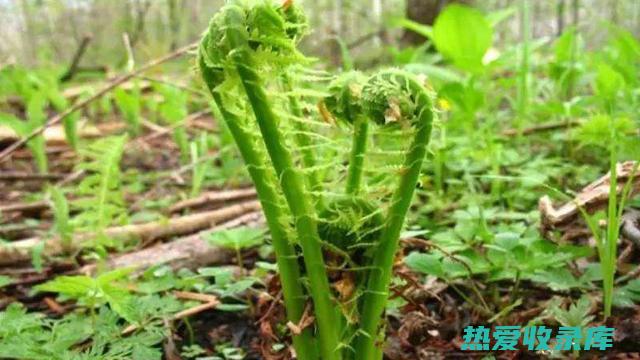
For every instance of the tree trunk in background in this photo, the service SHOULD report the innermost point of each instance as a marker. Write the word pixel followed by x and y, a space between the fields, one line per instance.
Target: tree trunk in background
pixel 376 6
pixel 141 8
pixel 29 38
pixel 174 23
pixel 336 32
pixel 576 12
pixel 560 17
pixel 614 11
pixel 424 12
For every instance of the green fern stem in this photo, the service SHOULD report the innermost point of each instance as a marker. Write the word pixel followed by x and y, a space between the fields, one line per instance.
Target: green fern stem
pixel 304 144
pixel 356 158
pixel 264 182
pixel 376 294
pixel 291 182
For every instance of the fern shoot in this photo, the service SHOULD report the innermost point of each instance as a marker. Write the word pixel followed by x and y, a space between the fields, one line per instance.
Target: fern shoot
pixel 62 224
pixel 392 97
pixel 101 201
pixel 249 38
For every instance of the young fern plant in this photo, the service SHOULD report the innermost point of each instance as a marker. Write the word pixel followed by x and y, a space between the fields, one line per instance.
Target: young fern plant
pixel 391 97
pixel 101 202
pixel 221 79
pixel 249 38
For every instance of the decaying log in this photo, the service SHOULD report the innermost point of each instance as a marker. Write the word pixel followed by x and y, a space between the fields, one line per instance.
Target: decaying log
pixel 19 251
pixel 592 198
pixel 212 198
pixel 26 176
pixel 190 252
pixel 24 207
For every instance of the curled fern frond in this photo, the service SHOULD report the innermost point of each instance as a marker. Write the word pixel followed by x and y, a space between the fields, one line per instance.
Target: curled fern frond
pixel 271 32
pixel 394 97
pixel 344 99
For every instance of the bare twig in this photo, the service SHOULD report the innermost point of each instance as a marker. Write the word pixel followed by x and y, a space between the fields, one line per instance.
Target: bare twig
pixel 212 198
pixel 25 176
pixel 24 207
pixel 4 155
pixel 189 252
pixel 21 250
pixel 182 314
pixel 591 198
pixel 73 67
pixel 541 128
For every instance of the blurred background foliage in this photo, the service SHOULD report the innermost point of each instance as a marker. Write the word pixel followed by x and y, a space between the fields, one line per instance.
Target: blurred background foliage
pixel 45 32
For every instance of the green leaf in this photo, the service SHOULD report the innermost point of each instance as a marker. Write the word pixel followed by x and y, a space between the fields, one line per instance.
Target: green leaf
pixel 236 239
pixel 36 256
pixel 428 264
pixel 463 35
pixel 129 104
pixel 71 286
pixel 557 279
pixel 608 81
pixel 5 280
pixel 576 315
pixel 628 295
pixel 60 209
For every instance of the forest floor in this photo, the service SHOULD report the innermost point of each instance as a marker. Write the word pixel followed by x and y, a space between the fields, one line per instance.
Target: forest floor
pixel 428 322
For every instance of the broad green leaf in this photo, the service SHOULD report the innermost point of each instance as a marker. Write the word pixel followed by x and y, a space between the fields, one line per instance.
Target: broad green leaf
pixel 236 239
pixel 463 35
pixel 72 286
pixel 428 264
pixel 608 81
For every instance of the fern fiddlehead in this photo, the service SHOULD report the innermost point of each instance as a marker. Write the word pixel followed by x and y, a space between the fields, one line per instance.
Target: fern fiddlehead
pixel 248 38
pixel 291 182
pixel 344 103
pixel 265 182
pixel 392 96
pixel 236 34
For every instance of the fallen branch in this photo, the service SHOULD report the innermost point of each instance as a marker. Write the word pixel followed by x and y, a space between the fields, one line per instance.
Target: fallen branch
pixel 21 250
pixel 591 198
pixel 4 155
pixel 190 252
pixel 55 135
pixel 26 176
pixel 24 207
pixel 541 128
pixel 212 198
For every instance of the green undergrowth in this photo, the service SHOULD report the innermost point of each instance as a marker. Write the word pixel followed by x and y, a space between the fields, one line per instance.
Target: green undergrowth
pixel 326 149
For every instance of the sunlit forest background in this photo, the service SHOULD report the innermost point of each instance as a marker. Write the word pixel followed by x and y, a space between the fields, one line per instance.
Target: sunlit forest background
pixel 48 32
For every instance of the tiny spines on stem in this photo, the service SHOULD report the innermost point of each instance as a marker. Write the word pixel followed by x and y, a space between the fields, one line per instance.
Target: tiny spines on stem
pixel 392 97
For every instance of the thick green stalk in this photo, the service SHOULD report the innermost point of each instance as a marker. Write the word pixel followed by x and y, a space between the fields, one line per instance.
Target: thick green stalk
pixel 286 257
pixel 376 293
pixel 304 143
pixel 358 149
pixel 291 182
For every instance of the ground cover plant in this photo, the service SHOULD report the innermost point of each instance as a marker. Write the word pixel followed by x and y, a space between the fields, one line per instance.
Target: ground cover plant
pixel 262 194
